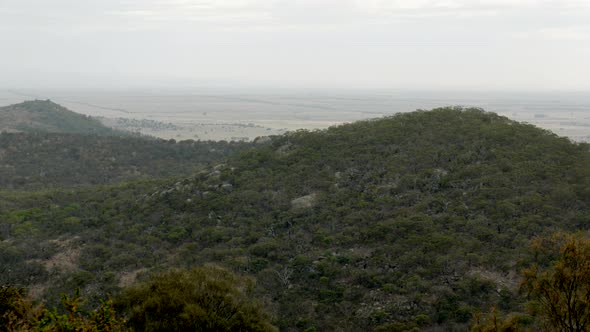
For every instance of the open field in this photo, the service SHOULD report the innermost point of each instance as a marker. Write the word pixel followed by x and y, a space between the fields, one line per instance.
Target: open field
pixel 244 115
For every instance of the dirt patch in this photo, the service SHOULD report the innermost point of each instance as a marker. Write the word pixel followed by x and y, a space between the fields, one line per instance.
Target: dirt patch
pixel 304 202
pixel 66 260
pixel 508 280
pixel 128 278
pixel 63 262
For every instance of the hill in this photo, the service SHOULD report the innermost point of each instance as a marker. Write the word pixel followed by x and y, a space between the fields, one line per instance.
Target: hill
pixel 415 221
pixel 50 160
pixel 44 145
pixel 47 116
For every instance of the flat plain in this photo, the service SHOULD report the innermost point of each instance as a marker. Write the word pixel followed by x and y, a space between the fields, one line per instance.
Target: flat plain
pixel 233 114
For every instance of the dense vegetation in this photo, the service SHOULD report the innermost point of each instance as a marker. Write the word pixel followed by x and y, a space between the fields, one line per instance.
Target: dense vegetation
pixel 44 160
pixel 47 116
pixel 200 299
pixel 418 220
pixel 205 299
pixel 43 145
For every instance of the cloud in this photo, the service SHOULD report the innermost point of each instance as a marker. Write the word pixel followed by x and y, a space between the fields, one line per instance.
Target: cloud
pixel 150 14
pixel 566 33
pixel 220 13
pixel 379 41
pixel 465 8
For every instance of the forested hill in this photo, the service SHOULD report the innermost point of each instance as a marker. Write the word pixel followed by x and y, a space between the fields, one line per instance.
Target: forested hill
pixel 415 221
pixel 44 145
pixel 49 160
pixel 47 116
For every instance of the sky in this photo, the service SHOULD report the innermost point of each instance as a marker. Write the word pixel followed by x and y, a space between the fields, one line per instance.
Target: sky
pixel 506 45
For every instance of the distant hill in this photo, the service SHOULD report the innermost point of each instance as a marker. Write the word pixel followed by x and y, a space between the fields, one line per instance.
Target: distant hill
pixel 47 116
pixel 44 145
pixel 411 222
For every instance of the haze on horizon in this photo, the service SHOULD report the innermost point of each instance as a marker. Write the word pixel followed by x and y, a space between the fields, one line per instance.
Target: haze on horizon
pixel 413 44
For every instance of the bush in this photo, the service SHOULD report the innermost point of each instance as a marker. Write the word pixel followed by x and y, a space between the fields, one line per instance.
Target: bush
pixel 202 299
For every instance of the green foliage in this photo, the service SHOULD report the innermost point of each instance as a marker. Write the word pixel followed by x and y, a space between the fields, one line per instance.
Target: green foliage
pixel 412 221
pixel 203 299
pixel 560 281
pixel 46 116
pixel 76 319
pixel 45 160
pixel 19 314
pixel 493 322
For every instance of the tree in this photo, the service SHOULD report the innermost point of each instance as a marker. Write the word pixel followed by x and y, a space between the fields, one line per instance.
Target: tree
pixel 18 313
pixel 103 318
pixel 560 280
pixel 16 310
pixel 202 299
pixel 494 322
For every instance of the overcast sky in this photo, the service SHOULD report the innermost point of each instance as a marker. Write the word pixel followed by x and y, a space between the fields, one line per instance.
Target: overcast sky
pixel 413 44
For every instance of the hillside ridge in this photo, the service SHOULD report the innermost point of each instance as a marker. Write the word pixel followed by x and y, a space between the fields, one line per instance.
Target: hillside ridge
pixel 47 116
